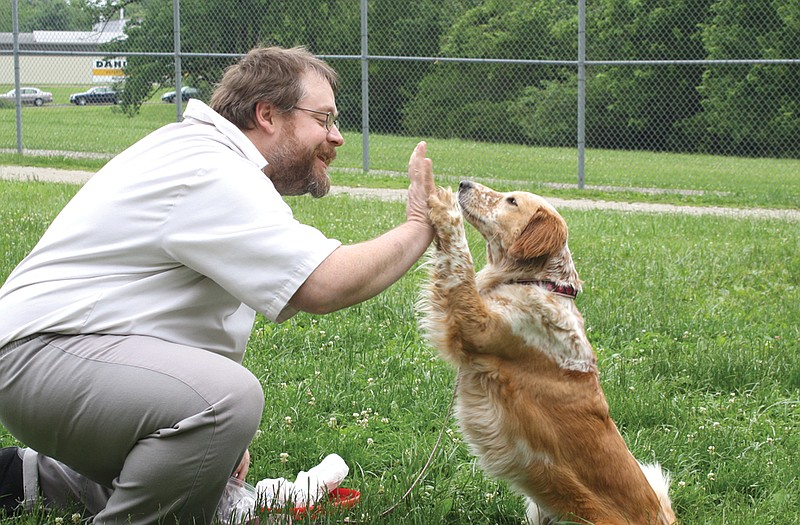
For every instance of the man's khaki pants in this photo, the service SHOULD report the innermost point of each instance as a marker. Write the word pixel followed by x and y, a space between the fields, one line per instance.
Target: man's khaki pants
pixel 139 430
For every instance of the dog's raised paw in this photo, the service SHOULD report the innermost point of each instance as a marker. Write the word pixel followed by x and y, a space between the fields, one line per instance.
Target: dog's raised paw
pixel 444 211
pixel 441 198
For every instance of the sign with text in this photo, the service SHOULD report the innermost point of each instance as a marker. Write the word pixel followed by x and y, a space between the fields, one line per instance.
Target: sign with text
pixel 108 70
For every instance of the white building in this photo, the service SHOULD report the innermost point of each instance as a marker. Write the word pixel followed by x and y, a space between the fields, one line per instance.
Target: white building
pixel 49 57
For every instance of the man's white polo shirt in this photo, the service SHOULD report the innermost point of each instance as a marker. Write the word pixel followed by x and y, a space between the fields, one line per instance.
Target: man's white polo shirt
pixel 180 237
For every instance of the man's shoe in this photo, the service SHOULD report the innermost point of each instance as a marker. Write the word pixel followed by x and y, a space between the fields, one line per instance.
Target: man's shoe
pixel 12 492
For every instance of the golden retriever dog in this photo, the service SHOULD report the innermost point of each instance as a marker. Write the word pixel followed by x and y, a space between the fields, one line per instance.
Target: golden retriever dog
pixel 529 400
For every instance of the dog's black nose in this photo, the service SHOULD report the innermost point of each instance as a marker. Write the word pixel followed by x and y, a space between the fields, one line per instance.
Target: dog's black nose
pixel 465 184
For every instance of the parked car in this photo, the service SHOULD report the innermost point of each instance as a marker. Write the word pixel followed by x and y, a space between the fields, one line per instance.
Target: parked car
pixel 186 93
pixel 29 95
pixel 95 95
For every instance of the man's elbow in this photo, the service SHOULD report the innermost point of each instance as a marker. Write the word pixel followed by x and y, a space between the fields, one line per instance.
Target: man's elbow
pixel 320 308
pixel 317 300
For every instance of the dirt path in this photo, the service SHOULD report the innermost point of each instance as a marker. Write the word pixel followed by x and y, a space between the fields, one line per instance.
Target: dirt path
pixel 79 177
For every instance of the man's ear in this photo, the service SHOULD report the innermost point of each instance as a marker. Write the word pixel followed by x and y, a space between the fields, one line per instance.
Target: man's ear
pixel 545 234
pixel 265 116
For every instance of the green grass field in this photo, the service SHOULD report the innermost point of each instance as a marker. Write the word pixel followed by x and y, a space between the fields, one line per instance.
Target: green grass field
pixel 694 320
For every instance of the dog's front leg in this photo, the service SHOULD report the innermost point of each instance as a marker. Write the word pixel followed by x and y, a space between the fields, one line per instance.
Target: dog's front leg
pixel 454 304
pixel 451 256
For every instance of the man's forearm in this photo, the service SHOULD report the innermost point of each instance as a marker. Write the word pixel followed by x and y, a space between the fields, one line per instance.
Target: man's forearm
pixel 355 273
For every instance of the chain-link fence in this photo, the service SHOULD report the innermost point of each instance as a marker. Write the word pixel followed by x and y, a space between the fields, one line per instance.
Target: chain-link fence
pixel 717 77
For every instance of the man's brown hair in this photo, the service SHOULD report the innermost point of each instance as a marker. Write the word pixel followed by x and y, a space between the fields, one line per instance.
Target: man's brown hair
pixel 271 74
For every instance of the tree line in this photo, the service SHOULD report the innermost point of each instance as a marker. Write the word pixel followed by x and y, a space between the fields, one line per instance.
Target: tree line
pixel 730 108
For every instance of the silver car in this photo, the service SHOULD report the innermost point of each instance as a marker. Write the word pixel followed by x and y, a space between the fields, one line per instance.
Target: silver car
pixel 28 95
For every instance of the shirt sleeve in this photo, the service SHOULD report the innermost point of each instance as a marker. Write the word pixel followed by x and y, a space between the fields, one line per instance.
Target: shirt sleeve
pixel 237 230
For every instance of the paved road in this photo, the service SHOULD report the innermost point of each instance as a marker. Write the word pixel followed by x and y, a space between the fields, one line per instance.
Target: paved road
pixel 79 177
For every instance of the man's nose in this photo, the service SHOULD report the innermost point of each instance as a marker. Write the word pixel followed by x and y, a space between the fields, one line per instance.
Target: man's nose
pixel 335 136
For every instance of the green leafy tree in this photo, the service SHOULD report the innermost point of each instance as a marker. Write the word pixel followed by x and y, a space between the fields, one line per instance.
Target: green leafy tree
pixel 46 15
pixel 547 112
pixel 230 27
pixel 404 29
pixel 478 100
pixel 753 107
pixel 643 106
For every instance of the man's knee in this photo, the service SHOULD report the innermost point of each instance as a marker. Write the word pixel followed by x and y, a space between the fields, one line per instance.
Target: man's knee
pixel 245 403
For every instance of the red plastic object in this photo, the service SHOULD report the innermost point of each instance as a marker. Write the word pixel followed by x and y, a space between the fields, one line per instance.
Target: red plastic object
pixel 339 497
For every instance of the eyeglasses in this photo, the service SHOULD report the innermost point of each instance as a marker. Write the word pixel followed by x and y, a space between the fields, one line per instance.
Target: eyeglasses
pixel 330 119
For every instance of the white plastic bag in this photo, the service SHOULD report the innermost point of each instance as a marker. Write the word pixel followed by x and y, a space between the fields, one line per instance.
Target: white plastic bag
pixel 241 502
pixel 308 487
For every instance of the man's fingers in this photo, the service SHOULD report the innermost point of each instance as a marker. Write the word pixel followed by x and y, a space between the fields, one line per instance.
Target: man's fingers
pixel 415 164
pixel 420 168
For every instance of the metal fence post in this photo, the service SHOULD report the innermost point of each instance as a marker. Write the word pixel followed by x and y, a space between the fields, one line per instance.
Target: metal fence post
pixel 176 29
pixel 364 88
pixel 581 90
pixel 18 98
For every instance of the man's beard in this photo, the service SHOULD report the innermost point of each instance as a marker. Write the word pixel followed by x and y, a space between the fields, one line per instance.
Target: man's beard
pixel 294 171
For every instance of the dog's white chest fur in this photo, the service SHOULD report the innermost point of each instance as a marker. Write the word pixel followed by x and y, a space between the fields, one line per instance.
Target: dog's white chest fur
pixel 556 330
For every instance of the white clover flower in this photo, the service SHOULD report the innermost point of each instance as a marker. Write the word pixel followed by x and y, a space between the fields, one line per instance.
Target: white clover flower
pixel 284 457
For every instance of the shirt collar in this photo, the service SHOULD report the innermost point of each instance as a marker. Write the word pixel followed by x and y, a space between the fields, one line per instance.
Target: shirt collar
pixel 197 112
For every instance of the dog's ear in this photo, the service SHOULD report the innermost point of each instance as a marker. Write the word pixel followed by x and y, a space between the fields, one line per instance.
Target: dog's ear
pixel 545 234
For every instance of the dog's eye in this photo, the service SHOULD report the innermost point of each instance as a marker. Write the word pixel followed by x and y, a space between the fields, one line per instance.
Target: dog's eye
pixel 511 200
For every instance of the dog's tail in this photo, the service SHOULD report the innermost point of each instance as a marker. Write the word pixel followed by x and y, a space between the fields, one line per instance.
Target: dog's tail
pixel 659 481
